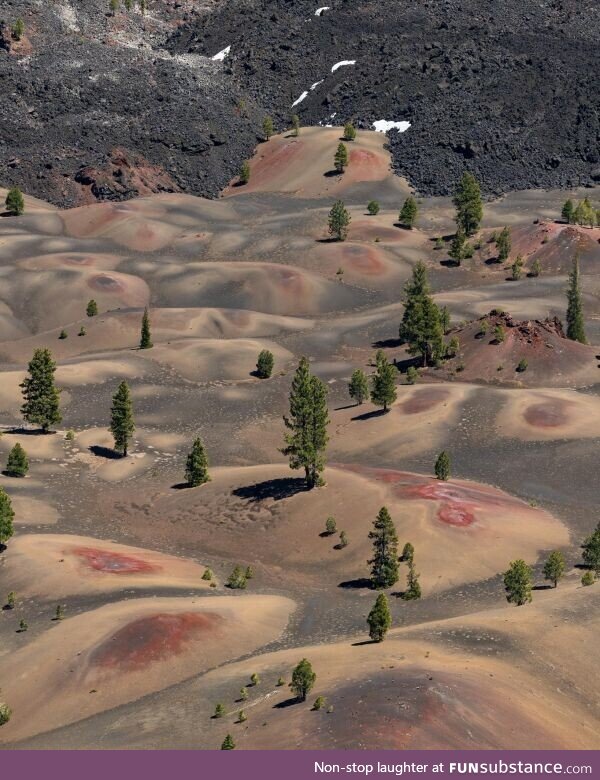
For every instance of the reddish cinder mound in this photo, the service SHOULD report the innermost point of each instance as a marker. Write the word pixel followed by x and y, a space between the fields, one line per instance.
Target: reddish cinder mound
pixel 111 562
pixel 459 501
pixel 549 413
pixel 152 638
pixel 427 398
pixel 415 709
pixel 555 245
pixel 125 175
pixel 493 347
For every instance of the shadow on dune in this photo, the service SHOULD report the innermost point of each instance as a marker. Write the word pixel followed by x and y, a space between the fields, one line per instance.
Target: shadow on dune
pixel 277 489
pixel 360 582
pixel 30 432
pixel 287 703
pixel 370 415
pixel 104 452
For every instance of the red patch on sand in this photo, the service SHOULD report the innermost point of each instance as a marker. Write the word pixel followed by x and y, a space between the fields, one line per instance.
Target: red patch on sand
pixel 152 638
pixel 110 562
pixel 424 400
pixel 547 414
pixel 459 501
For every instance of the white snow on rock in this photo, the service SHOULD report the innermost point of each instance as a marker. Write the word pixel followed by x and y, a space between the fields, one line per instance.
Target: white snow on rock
pixel 219 56
pixel 300 99
pixel 383 125
pixel 321 11
pixel 316 84
pixel 342 63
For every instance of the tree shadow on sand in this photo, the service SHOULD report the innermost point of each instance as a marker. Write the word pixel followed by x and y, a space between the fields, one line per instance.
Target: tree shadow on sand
pixel 357 584
pixel 287 703
pixel 17 431
pixel 277 489
pixel 104 452
pixel 370 415
pixel 364 642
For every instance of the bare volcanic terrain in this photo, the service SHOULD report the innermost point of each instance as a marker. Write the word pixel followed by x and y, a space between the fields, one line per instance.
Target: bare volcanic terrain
pixel 114 106
pixel 122 623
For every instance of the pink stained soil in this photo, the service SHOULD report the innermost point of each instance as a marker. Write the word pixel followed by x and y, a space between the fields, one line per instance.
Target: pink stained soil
pixel 109 562
pixel 550 413
pixel 364 261
pixel 459 503
pixel 153 638
pixel 424 400
pixel 272 164
pixel 105 283
pixel 364 165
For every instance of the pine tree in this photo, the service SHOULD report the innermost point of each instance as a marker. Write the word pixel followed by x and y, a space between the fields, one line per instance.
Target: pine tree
pixel 307 422
pixel 379 619
pixel 237 579
pixel 349 132
pixel 18 29
pixel 591 550
pixel 15 202
pixel 408 213
pixel 554 568
pixel 383 384
pixel 358 389
pixel 373 208
pixel 40 394
pixel 421 326
pixel 295 125
pixel 568 212
pixel 264 364
pixel 445 319
pixel 113 6
pixel 413 588
pixel 5 713
pixel 267 127
pixel 341 157
pixel 442 466
pixel 145 335
pixel 518 583
pixel 408 552
pixel 6 517
pixel 18 463
pixel 536 268
pixel 228 743
pixel 504 245
pixel 330 526
pixel 384 564
pixel 196 467
pixel 245 172
pixel 303 679
pixel 468 203
pixel 458 247
pixel 121 418
pixel 339 219
pixel 575 321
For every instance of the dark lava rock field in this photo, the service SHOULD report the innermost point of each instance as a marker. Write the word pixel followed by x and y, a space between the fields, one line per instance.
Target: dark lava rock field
pixel 505 89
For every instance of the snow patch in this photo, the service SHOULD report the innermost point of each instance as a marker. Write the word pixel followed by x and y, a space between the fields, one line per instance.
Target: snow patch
pixel 383 125
pixel 341 64
pixel 300 99
pixel 220 56
pixel 321 11
pixel 316 84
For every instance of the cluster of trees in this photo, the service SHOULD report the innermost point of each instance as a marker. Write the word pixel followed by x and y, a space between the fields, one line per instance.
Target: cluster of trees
pixel 303 681
pixel 238 579
pixel 518 578
pixel 581 214
pixel 380 386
